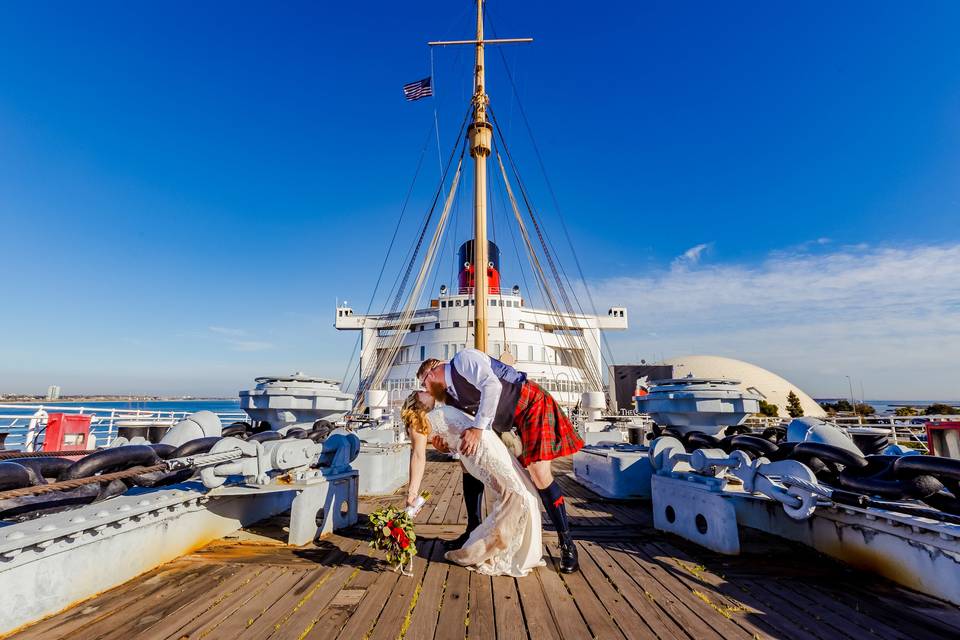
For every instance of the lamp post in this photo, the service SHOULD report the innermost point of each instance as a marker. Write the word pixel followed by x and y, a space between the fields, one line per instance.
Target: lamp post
pixel 853 402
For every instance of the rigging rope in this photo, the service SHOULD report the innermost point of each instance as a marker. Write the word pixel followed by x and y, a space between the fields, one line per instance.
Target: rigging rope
pixel 386 258
pixel 384 358
pixel 562 323
pixel 546 177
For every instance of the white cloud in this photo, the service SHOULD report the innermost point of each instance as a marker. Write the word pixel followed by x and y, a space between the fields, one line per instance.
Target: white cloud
pixel 691 256
pixel 889 316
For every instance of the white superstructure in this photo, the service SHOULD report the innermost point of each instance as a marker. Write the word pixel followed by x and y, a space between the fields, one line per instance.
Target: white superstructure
pixel 550 347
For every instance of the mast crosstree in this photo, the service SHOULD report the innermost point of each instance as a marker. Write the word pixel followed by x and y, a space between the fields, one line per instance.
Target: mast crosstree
pixel 480 135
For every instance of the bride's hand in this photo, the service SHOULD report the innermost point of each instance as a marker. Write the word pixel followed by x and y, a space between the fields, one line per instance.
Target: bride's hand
pixel 440 444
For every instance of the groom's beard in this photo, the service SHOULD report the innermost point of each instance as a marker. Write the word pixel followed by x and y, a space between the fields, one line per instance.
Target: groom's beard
pixel 438 390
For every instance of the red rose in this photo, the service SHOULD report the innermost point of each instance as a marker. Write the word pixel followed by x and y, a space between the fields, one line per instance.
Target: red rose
pixel 397 532
pixel 390 524
pixel 404 543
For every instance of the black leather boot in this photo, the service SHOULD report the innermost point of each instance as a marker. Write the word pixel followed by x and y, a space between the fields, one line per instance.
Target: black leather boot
pixel 569 562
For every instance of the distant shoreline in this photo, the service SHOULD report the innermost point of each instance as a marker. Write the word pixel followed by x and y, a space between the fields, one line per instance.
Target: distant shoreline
pixel 76 400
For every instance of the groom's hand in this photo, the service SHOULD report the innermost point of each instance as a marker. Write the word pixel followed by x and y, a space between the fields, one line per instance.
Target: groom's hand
pixel 470 440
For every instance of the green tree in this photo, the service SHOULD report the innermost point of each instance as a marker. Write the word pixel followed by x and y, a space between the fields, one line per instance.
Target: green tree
pixel 940 409
pixel 864 409
pixel 769 410
pixel 840 406
pixel 906 411
pixel 793 405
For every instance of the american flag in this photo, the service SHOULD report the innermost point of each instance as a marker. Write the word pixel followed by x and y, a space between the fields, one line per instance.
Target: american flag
pixel 416 90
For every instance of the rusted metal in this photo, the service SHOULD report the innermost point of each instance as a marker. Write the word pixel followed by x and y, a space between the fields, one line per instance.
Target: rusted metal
pixel 13 455
pixel 67 485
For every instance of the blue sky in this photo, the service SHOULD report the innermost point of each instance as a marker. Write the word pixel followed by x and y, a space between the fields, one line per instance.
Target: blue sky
pixel 187 188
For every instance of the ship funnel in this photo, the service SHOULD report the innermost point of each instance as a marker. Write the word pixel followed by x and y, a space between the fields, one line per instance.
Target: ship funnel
pixel 467 278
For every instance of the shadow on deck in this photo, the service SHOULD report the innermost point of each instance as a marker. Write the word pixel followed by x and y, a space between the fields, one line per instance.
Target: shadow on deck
pixel 634 582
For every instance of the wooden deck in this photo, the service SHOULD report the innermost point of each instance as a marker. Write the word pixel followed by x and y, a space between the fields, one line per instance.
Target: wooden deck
pixel 635 583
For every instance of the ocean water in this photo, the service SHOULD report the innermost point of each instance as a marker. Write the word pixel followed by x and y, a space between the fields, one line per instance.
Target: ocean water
pixel 190 406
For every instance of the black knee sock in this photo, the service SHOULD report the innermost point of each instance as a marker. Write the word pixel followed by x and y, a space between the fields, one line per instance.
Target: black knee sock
pixel 473 497
pixel 553 502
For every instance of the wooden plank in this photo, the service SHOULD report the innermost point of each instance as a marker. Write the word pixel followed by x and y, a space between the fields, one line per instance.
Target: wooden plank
pixel 676 608
pixel 321 593
pixel 641 601
pixel 103 605
pixel 593 612
pixel 539 619
pixel 900 613
pixel 868 624
pixel 506 609
pixel 274 617
pixel 423 620
pixel 570 623
pixel 453 610
pixel 239 581
pixel 329 622
pixel 252 609
pixel 629 622
pixel 483 623
pixel 435 478
pixel 443 500
pixel 365 615
pixel 825 624
pixel 139 616
pixel 220 609
pixel 403 599
pixel 696 600
pixel 759 612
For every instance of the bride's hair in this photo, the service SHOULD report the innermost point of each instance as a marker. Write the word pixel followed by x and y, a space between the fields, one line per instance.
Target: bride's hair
pixel 414 415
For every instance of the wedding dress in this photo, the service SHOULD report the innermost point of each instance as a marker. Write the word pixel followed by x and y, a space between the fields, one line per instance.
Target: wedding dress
pixel 508 542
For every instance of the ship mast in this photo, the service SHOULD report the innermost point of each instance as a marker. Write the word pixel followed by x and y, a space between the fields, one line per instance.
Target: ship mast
pixel 480 135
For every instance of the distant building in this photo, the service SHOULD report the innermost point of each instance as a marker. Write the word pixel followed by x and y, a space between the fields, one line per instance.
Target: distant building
pixel 53 392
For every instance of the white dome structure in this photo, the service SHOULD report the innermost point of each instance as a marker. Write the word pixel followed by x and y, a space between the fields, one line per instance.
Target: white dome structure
pixel 766 384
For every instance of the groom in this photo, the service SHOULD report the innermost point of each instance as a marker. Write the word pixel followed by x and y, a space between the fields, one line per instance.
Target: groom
pixel 501 398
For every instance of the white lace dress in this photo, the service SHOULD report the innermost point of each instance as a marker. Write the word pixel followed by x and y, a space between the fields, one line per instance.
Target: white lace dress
pixel 508 542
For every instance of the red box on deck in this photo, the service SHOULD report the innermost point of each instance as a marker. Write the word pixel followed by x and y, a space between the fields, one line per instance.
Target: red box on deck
pixel 943 439
pixel 66 432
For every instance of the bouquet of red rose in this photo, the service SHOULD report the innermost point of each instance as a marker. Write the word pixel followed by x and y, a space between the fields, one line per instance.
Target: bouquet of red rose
pixel 393 533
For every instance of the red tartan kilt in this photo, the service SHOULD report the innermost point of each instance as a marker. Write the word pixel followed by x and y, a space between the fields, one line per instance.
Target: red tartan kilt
pixel 545 431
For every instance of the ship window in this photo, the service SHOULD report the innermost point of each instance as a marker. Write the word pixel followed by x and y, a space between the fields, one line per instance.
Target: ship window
pixel 443 304
pixel 423 349
pixel 470 323
pixel 493 303
pixel 522 327
pixel 500 324
pixel 529 351
pixel 473 302
pixel 457 303
pixel 436 325
pixel 456 323
pixel 446 352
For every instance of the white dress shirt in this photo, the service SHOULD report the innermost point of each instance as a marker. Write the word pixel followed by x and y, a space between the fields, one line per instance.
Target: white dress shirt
pixel 475 368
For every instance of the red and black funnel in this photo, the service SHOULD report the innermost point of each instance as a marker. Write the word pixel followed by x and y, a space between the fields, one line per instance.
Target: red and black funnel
pixel 467 279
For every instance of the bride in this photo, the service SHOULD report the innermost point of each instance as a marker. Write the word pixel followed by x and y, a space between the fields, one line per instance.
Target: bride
pixel 508 541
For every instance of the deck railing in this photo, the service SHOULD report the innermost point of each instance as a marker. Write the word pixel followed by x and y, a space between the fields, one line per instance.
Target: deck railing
pixel 25 424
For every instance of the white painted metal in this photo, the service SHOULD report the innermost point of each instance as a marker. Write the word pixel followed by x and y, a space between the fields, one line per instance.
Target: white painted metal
pixel 691 511
pixel 614 471
pixel 58 560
